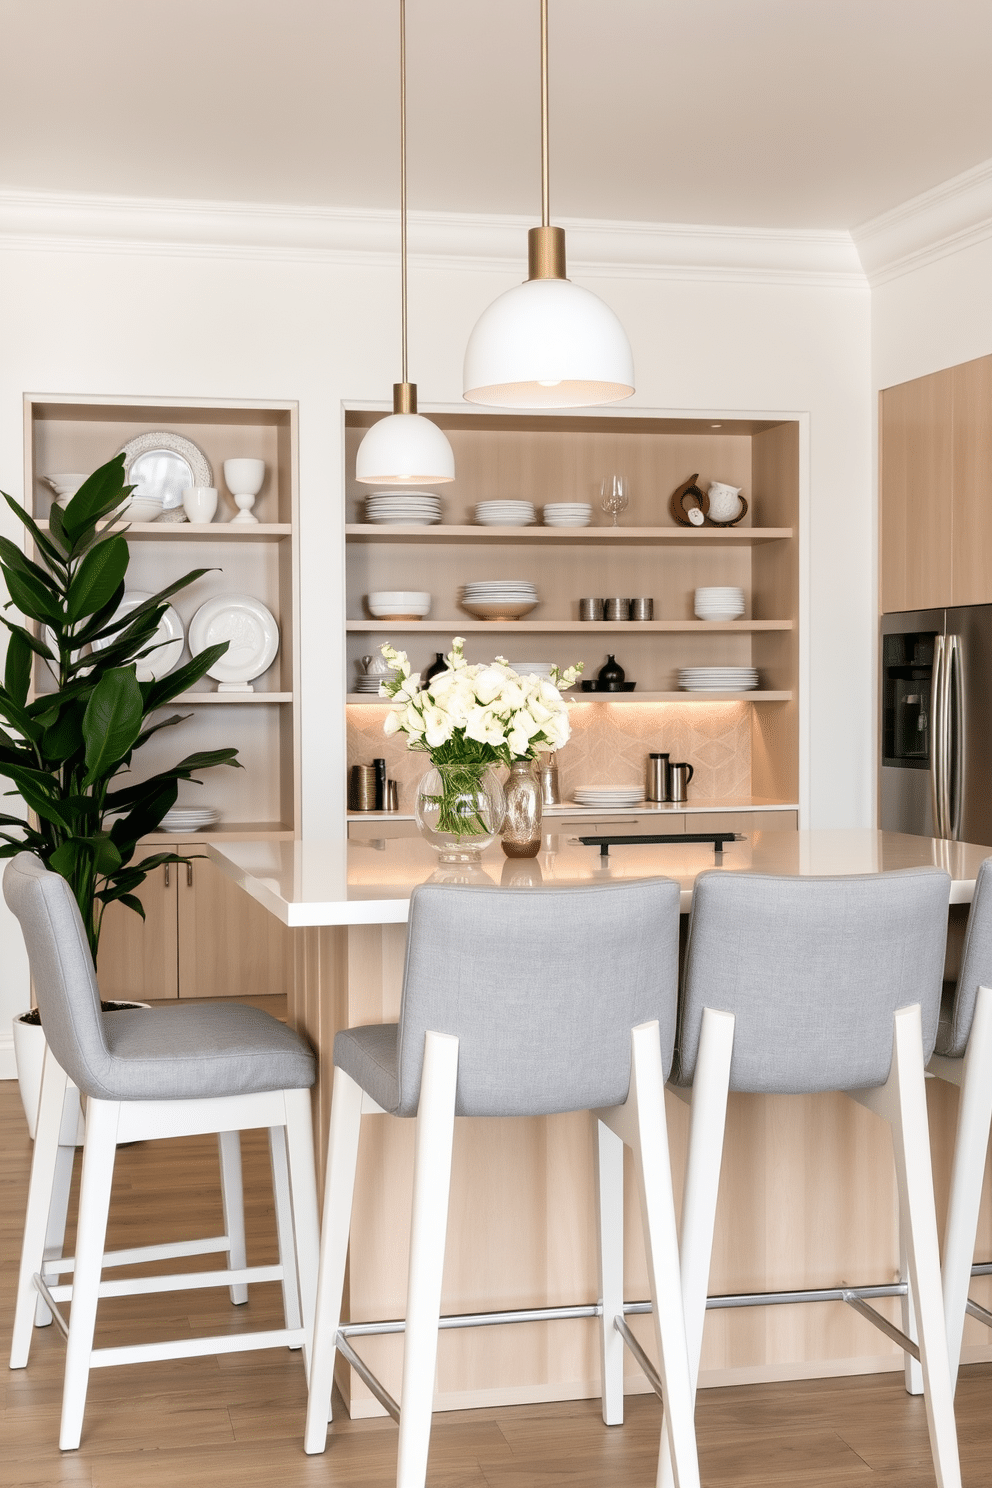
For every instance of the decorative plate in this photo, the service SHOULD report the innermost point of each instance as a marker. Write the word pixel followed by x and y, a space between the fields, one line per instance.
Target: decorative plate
pixel 168 639
pixel 164 464
pixel 245 622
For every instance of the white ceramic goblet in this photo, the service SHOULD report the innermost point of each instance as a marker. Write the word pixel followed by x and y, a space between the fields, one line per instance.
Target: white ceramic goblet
pixel 244 481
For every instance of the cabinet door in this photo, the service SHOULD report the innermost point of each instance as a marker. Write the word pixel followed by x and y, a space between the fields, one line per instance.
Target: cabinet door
pixel 915 498
pixel 972 567
pixel 140 958
pixel 369 831
pixel 743 821
pixel 229 946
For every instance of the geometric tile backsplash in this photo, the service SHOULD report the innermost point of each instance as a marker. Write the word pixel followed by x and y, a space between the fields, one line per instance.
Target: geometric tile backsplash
pixel 609 744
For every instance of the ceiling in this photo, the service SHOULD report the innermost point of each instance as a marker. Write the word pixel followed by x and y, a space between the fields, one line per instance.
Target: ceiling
pixel 777 113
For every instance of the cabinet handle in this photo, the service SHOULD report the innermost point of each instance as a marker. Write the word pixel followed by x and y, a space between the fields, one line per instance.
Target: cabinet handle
pixel 189 875
pixel 167 874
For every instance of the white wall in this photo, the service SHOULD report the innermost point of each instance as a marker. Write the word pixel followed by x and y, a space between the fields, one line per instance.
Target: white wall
pixel 182 322
pixel 935 316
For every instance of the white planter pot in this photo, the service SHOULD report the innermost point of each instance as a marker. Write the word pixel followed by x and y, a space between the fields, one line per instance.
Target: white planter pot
pixel 29 1055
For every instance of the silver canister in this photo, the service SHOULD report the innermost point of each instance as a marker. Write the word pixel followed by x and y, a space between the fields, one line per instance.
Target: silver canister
pixel 616 609
pixel 547 774
pixel 656 785
pixel 642 609
pixel 392 796
pixel 362 794
pixel 679 776
pixel 590 609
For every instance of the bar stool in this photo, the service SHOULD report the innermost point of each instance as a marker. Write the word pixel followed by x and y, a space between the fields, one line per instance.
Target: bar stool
pixel 496 1020
pixel 148 1074
pixel 799 985
pixel 963 1057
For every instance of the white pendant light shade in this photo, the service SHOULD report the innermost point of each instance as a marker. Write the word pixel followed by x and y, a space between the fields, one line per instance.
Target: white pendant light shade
pixel 548 343
pixel 405 449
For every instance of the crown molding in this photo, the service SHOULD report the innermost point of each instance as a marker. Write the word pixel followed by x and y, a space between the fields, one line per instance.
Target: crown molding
pixel 955 215
pixel 75 223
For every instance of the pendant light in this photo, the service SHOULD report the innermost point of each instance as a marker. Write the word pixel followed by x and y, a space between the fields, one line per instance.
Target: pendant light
pixel 547 343
pixel 405 448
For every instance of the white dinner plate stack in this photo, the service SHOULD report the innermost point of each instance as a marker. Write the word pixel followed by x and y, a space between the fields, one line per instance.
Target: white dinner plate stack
pixel 410 508
pixel 719 603
pixel 567 514
pixel 505 513
pixel 190 818
pixel 718 679
pixel 605 797
pixel 369 684
pixel 532 668
pixel 500 599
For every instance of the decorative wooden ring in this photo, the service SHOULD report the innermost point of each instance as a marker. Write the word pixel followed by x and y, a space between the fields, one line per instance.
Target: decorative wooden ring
pixel 734 520
pixel 685 498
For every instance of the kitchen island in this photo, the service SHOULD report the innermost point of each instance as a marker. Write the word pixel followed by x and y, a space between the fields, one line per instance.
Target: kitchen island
pixel 808 1188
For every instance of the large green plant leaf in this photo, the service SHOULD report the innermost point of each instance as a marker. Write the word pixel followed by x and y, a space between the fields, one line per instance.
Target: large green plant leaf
pixel 44 545
pixel 63 738
pixel 112 721
pixel 39 647
pixel 17 672
pixel 97 579
pixel 32 597
pixel 39 794
pixel 99 495
pixel 163 691
pixel 12 557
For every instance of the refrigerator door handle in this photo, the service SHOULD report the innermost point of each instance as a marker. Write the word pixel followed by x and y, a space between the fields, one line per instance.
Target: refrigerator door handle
pixel 937 751
pixel 954 692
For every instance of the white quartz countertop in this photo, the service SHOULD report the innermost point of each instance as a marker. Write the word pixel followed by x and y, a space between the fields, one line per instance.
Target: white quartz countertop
pixel 698 804
pixel 369 883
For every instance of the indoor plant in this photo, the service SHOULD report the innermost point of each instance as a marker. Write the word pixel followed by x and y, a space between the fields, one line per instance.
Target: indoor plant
pixel 68 751
pixel 470 718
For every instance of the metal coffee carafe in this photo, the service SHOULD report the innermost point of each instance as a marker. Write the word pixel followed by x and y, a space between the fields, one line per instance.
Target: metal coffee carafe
pixel 656 784
pixel 679 776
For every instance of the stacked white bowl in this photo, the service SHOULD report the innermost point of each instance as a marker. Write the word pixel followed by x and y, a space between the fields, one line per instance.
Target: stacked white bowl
pixel 505 513
pixel 567 514
pixel 718 679
pixel 410 508
pixel 190 818
pixel 719 603
pixel 65 486
pixel 533 668
pixel 499 599
pixel 367 682
pixel 398 604
pixel 143 508
pixel 608 796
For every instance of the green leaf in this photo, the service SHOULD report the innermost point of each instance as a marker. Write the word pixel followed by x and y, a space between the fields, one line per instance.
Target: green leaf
pixel 97 578
pixel 17 673
pixel 66 859
pixel 132 903
pixel 104 490
pixel 38 795
pixel 63 737
pixel 33 598
pixel 12 557
pixel 95 623
pixel 155 797
pixel 163 691
pixel 39 647
pixel 112 721
pixel 106 856
pixel 51 553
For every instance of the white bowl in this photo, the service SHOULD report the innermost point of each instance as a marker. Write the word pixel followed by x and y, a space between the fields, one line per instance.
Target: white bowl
pixel 398 604
pixel 400 596
pixel 141 509
pixel 64 486
pixel 499 609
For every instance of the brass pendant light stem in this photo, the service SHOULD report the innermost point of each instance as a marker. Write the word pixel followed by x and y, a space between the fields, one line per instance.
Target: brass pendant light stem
pixel 545 173
pixel 404 397
pixel 545 244
pixel 403 188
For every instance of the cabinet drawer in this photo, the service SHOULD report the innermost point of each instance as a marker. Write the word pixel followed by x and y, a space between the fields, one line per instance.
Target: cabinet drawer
pixel 630 826
pixel 743 821
pixel 366 831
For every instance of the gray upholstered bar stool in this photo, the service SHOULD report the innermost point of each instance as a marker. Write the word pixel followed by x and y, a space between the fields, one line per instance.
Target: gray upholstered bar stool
pixel 147 1074
pixel 496 1020
pixel 799 985
pixel 963 1056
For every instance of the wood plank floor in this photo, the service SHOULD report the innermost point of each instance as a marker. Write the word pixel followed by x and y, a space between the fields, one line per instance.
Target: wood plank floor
pixel 237 1422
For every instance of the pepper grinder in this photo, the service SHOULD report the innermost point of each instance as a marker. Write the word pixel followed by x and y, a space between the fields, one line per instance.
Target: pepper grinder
pixel 547 775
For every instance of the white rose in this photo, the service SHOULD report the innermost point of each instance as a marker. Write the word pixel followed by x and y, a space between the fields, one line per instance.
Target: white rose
pixel 485 727
pixel 393 723
pixel 488 684
pixel 437 727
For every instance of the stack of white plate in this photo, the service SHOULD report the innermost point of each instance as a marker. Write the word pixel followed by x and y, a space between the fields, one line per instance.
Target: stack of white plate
pixel 370 683
pixel 411 508
pixel 606 796
pixel 533 668
pixel 567 514
pixel 504 513
pixel 718 679
pixel 500 599
pixel 719 603
pixel 190 818
pixel 398 604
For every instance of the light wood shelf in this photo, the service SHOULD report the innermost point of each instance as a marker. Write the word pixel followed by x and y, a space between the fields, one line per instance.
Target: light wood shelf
pixel 758 696
pixel 198 699
pixel 213 531
pixel 233 831
pixel 556 627
pixel 703 536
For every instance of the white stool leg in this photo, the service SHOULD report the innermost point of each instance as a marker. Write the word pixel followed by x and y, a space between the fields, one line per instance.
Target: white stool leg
pixel 912 1370
pixel 968 1171
pixel 55 1235
pixel 339 1190
pixel 284 1226
pixel 233 1197
pixel 608 1148
pixel 654 1173
pixel 305 1253
pixel 44 1163
pixel 99 1151
pixel 431 1186
pixel 710 1088
pixel 911 1141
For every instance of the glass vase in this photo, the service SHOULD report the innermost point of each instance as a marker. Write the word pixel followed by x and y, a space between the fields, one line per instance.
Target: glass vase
pixel 521 835
pixel 460 809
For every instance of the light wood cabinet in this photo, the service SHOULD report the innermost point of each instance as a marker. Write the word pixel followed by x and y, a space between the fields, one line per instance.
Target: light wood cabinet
pixel 201 936
pixel 935 475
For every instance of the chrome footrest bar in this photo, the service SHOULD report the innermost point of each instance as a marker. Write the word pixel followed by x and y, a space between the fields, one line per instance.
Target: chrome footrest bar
pixel 482 1319
pixel 772 1299
pixel 653 1378
pixel 364 1373
pixel 882 1323
pixel 976 1310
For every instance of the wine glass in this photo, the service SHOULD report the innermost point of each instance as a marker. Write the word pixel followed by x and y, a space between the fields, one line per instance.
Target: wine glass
pixel 615 494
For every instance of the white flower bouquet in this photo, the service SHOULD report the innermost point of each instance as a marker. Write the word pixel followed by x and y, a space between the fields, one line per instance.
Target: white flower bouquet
pixel 468 719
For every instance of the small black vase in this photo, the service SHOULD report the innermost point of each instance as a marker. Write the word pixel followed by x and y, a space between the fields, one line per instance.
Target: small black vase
pixel 611 675
pixel 435 669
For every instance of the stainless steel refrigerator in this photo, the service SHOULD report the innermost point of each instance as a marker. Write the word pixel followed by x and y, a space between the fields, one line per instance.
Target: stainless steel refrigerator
pixel 936 723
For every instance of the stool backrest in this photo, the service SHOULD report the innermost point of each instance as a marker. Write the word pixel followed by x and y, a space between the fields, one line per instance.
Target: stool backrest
pixel 976 968
pixel 61 969
pixel 541 987
pixel 813 970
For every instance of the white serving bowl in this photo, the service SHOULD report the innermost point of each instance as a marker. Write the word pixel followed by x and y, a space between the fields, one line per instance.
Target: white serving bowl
pixel 64 486
pixel 499 609
pixel 399 604
pixel 141 509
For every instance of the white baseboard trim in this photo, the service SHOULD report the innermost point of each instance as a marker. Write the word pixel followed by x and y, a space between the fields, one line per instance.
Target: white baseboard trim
pixel 8 1069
